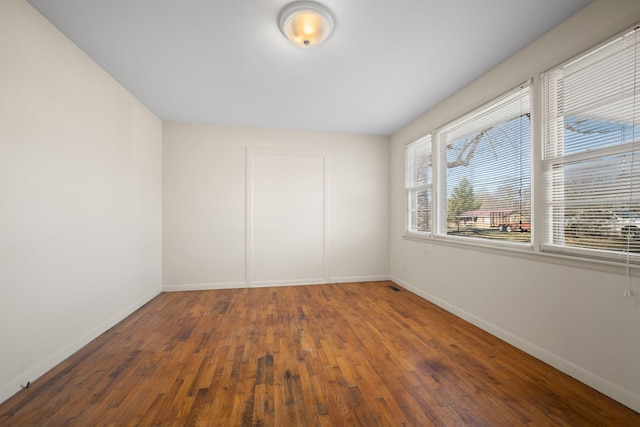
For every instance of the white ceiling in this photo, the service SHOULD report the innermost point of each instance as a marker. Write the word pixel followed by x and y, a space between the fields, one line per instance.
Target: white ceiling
pixel 226 62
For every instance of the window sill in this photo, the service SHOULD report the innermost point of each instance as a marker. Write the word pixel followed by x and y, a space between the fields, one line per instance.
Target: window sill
pixel 528 253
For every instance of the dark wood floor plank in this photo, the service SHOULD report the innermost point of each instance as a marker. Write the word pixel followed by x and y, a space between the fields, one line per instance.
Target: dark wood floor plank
pixel 328 355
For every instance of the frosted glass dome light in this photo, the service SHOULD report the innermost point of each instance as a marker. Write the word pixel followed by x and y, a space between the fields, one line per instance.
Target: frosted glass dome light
pixel 306 23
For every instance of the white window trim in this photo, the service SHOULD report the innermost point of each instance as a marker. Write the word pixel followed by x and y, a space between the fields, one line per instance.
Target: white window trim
pixel 409 189
pixel 563 259
pixel 630 262
pixel 438 183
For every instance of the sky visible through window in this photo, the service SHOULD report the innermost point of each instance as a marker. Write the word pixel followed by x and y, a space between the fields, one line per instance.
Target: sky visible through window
pixel 584 133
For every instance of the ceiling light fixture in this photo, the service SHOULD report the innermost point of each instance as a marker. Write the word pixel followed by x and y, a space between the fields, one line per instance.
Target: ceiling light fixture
pixel 306 23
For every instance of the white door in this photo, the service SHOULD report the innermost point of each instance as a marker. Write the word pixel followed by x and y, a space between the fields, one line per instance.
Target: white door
pixel 287 222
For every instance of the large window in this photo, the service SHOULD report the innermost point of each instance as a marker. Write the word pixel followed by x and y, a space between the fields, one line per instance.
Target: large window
pixel 418 185
pixel 591 156
pixel 477 186
pixel 484 179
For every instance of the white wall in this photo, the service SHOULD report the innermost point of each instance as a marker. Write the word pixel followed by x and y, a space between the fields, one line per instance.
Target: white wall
pixel 80 177
pixel 204 183
pixel 575 319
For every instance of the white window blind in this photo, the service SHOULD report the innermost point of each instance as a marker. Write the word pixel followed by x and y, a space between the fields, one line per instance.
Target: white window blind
pixel 484 168
pixel 591 160
pixel 418 185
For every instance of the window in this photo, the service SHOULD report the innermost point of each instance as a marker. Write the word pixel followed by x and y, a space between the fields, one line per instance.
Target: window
pixel 484 179
pixel 476 186
pixel 591 157
pixel 418 185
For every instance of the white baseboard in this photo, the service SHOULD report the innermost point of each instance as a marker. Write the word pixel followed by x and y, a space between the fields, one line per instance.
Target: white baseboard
pixel 31 375
pixel 203 286
pixel 343 279
pixel 271 283
pixel 604 386
pixel 355 279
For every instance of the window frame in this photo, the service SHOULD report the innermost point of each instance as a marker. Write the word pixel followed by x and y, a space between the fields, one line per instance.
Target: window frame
pixel 412 187
pixel 440 146
pixel 550 121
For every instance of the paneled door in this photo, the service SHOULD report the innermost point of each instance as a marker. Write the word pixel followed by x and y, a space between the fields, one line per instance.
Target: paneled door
pixel 287 217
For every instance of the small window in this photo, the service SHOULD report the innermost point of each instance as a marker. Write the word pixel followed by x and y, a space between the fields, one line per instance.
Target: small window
pixel 591 157
pixel 418 185
pixel 484 163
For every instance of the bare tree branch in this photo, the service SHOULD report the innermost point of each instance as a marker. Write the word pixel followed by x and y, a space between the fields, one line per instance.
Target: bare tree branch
pixel 575 128
pixel 468 150
pixel 466 153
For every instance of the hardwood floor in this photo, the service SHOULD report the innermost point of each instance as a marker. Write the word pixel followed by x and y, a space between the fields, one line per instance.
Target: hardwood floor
pixel 344 354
